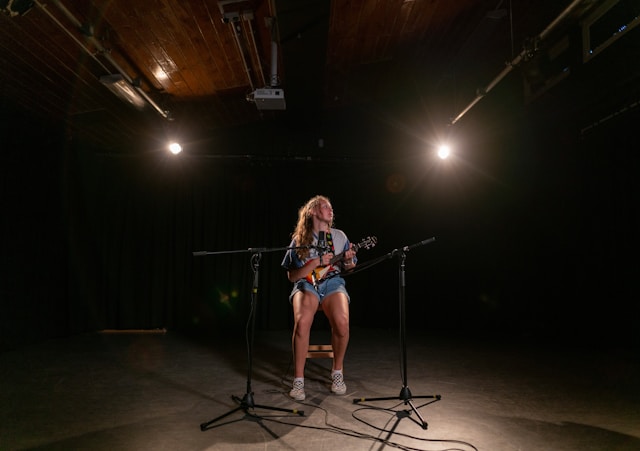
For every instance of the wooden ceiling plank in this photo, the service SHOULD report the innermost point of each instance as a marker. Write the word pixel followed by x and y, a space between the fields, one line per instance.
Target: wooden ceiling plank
pixel 209 45
pixel 392 18
pixel 173 47
pixel 160 56
pixel 32 66
pixel 202 61
pixel 234 58
pixel 133 33
pixel 343 39
pixel 346 16
pixel 397 41
pixel 367 30
pixel 220 38
pixel 68 84
pixel 195 50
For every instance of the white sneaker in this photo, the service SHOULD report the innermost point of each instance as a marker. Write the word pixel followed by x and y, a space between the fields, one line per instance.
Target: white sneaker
pixel 337 385
pixel 297 392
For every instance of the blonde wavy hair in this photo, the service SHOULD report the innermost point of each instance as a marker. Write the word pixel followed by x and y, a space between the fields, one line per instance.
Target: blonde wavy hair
pixel 303 233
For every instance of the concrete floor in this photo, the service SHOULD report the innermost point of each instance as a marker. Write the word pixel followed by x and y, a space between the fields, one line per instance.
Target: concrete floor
pixel 153 391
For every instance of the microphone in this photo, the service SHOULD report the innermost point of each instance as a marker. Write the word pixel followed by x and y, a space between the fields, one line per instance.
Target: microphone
pixel 322 242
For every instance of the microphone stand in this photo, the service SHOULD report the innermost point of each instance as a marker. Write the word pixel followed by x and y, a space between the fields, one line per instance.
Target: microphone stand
pixel 247 401
pixel 405 393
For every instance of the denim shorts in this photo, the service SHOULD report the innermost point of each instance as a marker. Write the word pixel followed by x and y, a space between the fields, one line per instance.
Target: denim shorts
pixel 328 286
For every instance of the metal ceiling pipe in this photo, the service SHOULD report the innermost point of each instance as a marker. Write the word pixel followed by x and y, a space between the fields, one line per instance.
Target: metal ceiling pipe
pixel 241 49
pixel 71 35
pixel 275 80
pixel 102 50
pixel 255 51
pixel 522 55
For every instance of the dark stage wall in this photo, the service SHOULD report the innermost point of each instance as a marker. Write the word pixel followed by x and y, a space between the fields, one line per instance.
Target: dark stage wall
pixel 535 227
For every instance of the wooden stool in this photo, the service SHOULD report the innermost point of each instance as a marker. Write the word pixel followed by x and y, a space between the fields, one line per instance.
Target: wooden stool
pixel 320 352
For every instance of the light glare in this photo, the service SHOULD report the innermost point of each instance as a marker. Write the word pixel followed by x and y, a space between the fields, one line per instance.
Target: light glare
pixel 444 152
pixel 175 148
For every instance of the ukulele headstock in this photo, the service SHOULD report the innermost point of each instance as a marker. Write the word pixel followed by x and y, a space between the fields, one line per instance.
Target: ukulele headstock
pixel 368 243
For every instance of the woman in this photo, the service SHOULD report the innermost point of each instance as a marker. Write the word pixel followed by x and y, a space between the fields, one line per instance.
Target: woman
pixel 318 254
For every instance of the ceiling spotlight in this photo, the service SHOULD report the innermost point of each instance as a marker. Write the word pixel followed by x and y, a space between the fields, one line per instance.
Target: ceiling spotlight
pixel 443 152
pixel 175 148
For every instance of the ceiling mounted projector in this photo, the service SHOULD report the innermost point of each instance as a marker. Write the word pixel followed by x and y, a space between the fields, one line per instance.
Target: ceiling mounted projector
pixel 269 99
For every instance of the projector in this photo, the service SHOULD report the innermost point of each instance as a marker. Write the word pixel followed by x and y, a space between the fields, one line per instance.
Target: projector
pixel 269 99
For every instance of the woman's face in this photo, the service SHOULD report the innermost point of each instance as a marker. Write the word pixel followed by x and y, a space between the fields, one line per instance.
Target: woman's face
pixel 324 211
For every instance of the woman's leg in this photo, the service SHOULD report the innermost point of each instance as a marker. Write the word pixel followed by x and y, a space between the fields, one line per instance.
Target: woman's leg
pixel 305 306
pixel 336 308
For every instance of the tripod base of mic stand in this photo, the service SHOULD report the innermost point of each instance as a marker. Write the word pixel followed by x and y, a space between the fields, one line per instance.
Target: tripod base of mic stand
pixel 406 397
pixel 245 403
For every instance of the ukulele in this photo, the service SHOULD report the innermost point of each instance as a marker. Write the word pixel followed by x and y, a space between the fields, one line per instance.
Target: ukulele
pixel 317 274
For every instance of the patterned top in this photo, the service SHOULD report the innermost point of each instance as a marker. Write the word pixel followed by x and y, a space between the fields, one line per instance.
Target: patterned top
pixel 337 240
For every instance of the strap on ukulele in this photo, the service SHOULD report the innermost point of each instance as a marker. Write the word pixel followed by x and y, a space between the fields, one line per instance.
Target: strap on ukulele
pixel 330 242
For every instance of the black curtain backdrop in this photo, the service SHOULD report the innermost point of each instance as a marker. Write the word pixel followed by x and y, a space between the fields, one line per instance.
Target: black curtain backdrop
pixel 535 227
pixel 34 301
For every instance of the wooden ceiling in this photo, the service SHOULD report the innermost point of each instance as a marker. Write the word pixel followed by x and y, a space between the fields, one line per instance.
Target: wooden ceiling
pixel 197 63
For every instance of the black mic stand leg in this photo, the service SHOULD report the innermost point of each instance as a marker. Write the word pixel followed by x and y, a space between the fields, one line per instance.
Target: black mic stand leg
pixel 246 402
pixel 405 393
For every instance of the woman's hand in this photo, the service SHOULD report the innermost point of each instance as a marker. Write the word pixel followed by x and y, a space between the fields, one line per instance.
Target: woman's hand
pixel 325 259
pixel 349 263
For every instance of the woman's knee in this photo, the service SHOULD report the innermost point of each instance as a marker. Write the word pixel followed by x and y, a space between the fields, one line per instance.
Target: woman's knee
pixel 340 326
pixel 302 324
pixel 339 320
pixel 303 318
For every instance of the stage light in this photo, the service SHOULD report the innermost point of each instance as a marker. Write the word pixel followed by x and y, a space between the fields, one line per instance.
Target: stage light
pixel 175 148
pixel 443 152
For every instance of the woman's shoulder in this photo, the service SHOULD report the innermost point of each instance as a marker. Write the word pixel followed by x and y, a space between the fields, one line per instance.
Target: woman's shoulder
pixel 339 237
